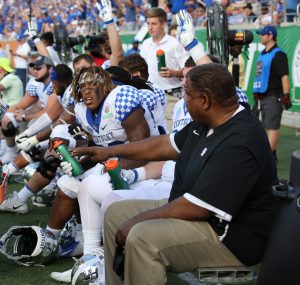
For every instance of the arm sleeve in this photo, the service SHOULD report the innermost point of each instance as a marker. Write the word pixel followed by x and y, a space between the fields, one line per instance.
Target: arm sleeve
pixel 43 122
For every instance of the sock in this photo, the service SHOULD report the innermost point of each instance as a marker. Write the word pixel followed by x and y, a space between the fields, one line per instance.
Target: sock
pixel 56 232
pixel 92 240
pixel 79 234
pixel 11 168
pixel 12 149
pixel 25 194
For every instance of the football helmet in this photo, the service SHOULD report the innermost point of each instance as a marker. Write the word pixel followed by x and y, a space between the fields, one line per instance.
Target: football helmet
pixel 89 269
pixel 29 245
pixel 68 234
pixel 29 170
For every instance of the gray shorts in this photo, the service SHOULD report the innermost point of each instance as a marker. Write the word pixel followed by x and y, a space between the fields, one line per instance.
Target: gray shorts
pixel 270 109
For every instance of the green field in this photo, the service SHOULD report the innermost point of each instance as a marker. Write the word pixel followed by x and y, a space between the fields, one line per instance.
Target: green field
pixel 13 274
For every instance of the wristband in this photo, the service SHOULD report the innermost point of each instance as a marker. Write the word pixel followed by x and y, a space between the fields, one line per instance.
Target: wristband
pixel 109 22
pixel 197 52
pixel 139 174
pixel 36 39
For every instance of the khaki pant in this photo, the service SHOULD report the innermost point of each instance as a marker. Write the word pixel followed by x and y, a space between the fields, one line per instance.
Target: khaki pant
pixel 154 247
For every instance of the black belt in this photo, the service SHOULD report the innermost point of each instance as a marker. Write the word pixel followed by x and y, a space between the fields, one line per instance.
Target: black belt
pixel 174 92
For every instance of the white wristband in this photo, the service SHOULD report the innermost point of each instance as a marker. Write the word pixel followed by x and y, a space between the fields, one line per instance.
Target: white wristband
pixel 140 174
pixel 197 52
pixel 72 143
pixel 37 40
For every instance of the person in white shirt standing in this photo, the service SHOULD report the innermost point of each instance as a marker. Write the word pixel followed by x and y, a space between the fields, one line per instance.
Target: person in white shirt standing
pixel 21 59
pixel 170 78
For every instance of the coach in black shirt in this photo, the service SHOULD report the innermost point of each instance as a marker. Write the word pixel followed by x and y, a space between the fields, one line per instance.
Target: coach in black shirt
pixel 220 211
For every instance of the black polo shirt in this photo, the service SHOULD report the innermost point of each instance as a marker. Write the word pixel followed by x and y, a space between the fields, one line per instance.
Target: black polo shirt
pixel 229 172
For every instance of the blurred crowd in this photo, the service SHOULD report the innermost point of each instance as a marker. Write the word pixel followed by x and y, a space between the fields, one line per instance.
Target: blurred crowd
pixel 81 17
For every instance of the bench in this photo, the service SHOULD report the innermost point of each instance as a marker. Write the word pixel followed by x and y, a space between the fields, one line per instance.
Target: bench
pixel 221 275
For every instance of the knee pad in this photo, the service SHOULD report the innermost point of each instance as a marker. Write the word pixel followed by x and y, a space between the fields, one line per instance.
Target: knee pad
pixel 10 131
pixel 48 167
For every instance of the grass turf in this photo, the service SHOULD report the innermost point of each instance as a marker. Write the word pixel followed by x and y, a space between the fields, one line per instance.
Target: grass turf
pixel 13 274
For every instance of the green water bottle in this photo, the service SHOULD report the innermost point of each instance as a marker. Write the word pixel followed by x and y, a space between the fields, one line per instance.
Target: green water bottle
pixel 60 147
pixel 114 170
pixel 161 59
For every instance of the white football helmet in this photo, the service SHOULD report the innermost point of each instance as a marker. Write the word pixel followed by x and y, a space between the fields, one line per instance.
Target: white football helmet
pixel 29 170
pixel 29 245
pixel 89 269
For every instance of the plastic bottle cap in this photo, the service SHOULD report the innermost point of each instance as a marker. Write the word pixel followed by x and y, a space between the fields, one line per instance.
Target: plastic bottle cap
pixel 57 143
pixel 160 52
pixel 112 164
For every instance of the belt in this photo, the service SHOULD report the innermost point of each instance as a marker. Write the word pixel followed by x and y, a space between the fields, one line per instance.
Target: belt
pixel 174 92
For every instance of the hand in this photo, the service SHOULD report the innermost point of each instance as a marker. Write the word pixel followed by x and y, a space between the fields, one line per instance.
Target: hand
pixel 21 138
pixel 123 231
pixel 286 101
pixel 95 153
pixel 28 144
pixel 129 175
pixel 75 128
pixel 18 114
pixel 185 33
pixel 66 168
pixel 32 32
pixel 105 11
pixel 165 72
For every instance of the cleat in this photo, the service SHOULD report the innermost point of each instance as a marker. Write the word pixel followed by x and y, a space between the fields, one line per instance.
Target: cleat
pixel 13 204
pixel 62 276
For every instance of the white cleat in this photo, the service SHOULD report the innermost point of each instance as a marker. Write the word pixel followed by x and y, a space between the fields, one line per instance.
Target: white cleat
pixel 13 204
pixel 62 276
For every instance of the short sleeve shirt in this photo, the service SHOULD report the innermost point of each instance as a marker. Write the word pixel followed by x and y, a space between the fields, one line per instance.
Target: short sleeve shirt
pixel 13 91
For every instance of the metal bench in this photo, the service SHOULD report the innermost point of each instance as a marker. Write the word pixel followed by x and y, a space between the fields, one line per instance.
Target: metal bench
pixel 227 275
pixel 221 275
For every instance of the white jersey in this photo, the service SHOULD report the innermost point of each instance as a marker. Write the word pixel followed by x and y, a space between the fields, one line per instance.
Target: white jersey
pixel 44 93
pixel 67 100
pixel 106 129
pixel 154 112
pixel 33 87
pixel 181 116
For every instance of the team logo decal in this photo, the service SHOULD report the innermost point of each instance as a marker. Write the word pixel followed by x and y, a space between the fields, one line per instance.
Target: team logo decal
pixel 107 113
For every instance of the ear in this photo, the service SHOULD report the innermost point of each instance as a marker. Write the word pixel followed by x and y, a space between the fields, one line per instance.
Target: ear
pixel 206 100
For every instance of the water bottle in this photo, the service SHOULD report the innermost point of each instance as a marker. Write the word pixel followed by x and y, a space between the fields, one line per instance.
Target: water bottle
pixel 60 147
pixel 161 59
pixel 114 170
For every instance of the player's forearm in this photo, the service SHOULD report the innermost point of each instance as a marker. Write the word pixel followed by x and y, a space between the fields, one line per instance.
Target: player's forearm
pixel 285 84
pixel 153 149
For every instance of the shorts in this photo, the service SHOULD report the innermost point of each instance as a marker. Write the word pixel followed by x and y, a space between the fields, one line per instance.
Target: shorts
pixel 271 110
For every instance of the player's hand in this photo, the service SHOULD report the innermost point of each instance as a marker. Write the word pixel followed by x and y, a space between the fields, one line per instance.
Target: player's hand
pixel 66 168
pixel 286 101
pixel 185 33
pixel 105 11
pixel 28 143
pixel 129 175
pixel 21 138
pixel 75 129
pixel 32 31
pixel 96 154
